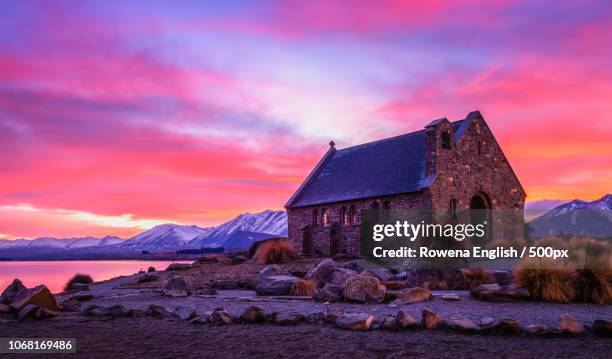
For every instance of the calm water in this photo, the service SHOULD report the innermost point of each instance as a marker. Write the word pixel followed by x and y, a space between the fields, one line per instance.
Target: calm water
pixel 55 274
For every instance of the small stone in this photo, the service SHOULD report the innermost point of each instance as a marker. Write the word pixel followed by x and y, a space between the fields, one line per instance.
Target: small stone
pixel 462 323
pixel 355 321
pixel 508 326
pixel 157 310
pixel 389 323
pixel 603 328
pixel 118 310
pixel 405 320
pixel 537 329
pixel 365 289
pixel 288 319
pixel 253 314
pixel 414 295
pixel 567 324
pixel 221 317
pixel 430 320
pixel 331 314
pixel 486 321
pixel 177 286
pixel 184 312
pixel 315 318
pixel 451 297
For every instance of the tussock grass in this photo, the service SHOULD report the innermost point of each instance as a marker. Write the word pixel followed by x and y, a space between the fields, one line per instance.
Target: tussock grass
pixel 548 285
pixel 477 276
pixel 79 278
pixel 274 252
pixel 304 288
pixel 594 286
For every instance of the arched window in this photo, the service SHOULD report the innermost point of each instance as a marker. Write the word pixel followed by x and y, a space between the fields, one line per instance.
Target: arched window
pixel 446 140
pixel 353 215
pixel 345 217
pixel 324 217
pixel 315 218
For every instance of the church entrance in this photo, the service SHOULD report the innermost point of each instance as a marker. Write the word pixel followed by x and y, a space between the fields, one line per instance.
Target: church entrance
pixel 480 213
pixel 307 241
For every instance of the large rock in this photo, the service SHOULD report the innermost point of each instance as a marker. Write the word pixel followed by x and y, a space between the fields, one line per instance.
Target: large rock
pixel 275 285
pixel 11 291
pixel 430 320
pixel 364 289
pixel 602 327
pixel 35 312
pixel 355 321
pixel 383 274
pixel 329 293
pixel 177 286
pixel 272 270
pixel 414 295
pixel 567 324
pixel 4 308
pixel 341 275
pixel 39 295
pixel 322 271
pixel 404 320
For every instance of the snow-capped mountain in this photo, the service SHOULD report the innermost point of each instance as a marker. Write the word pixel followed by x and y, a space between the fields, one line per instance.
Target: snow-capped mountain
pixel 59 243
pixel 578 218
pixel 268 222
pixel 165 235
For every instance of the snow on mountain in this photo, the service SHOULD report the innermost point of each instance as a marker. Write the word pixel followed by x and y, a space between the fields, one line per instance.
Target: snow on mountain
pixel 165 235
pixel 268 222
pixel 577 217
pixel 59 243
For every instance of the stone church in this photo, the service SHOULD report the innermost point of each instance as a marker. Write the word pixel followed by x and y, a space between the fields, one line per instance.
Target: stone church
pixel 446 165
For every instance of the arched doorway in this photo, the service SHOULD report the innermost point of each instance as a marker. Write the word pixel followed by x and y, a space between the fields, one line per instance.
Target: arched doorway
pixel 480 213
pixel 307 241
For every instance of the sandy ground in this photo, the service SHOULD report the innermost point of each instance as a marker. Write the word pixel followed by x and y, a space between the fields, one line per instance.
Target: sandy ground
pixel 172 338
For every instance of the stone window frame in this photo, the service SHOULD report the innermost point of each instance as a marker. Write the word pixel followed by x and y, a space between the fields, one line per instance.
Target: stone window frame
pixel 345 218
pixel 353 215
pixel 324 218
pixel 315 217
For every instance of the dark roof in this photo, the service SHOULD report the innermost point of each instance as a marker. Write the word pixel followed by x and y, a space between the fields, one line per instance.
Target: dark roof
pixel 385 167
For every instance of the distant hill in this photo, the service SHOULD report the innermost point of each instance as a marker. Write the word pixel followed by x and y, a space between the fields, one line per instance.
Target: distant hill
pixel 576 218
pixel 238 233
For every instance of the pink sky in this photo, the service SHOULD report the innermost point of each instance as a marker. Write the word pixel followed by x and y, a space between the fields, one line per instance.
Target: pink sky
pixel 116 118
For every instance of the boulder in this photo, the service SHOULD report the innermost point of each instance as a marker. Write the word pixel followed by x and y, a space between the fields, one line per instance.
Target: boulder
pixel 39 295
pixel 383 274
pixel 177 286
pixel 414 295
pixel 4 308
pixel 364 289
pixel 567 324
pixel 329 293
pixel 35 312
pixel 459 322
pixel 11 291
pixel 602 327
pixel 341 275
pixel 404 320
pixel 220 317
pixel 322 271
pixel 178 266
pixel 202 318
pixel 156 310
pixel 272 270
pixel 253 314
pixel 184 312
pixel 355 321
pixel 275 285
pixel 430 320
pixel 357 265
pixel 508 326
pixel 118 311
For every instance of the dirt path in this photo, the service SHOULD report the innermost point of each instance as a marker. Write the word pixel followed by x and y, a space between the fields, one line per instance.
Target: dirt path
pixel 171 338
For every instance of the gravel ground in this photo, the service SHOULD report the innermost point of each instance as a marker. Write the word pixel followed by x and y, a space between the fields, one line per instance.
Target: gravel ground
pixel 171 338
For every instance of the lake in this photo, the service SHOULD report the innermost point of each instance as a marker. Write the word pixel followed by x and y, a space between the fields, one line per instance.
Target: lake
pixel 55 274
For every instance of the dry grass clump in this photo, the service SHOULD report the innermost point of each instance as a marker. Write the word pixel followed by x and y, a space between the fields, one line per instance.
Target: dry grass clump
pixel 478 276
pixel 594 286
pixel 79 278
pixel 549 285
pixel 274 252
pixel 304 288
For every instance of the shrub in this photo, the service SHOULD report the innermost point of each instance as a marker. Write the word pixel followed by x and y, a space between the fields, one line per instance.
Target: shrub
pixel 151 269
pixel 549 285
pixel 274 251
pixel 304 288
pixel 80 279
pixel 593 286
pixel 478 276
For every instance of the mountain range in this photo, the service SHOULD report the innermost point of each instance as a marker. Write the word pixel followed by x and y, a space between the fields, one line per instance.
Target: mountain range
pixel 576 218
pixel 238 233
